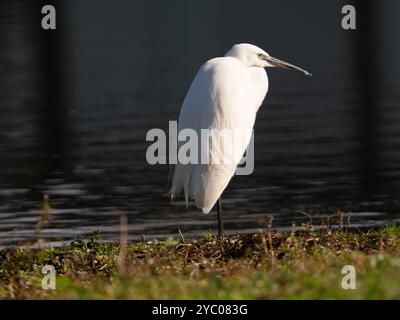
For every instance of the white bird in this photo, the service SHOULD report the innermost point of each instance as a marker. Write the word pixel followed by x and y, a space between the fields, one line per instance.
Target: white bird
pixel 225 94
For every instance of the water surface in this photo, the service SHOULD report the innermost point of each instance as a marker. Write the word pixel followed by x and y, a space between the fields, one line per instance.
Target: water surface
pixel 76 105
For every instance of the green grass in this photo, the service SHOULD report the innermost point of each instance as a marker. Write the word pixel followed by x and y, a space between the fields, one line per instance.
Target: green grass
pixel 265 265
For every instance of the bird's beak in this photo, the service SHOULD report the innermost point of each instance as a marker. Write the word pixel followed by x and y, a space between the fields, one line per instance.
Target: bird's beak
pixel 282 64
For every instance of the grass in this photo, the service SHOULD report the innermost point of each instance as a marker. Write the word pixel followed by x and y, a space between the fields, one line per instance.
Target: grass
pixel 303 264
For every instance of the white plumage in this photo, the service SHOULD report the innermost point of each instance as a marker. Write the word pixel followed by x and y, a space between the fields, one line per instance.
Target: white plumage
pixel 225 94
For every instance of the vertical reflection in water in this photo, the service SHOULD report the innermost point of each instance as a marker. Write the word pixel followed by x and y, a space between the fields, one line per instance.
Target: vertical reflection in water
pixel 32 115
pixel 366 49
pixel 53 111
pixel 20 91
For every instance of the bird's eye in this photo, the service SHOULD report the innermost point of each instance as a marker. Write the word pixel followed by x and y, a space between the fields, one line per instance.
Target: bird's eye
pixel 260 55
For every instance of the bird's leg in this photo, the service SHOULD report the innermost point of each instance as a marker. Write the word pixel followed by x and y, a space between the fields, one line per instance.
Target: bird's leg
pixel 220 224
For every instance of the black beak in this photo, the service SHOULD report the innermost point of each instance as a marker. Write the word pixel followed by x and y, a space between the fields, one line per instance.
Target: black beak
pixel 285 65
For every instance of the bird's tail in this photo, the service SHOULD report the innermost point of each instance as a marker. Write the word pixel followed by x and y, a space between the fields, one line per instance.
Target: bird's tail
pixel 180 180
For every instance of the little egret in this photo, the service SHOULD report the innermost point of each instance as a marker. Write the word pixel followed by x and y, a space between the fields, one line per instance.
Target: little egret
pixel 225 94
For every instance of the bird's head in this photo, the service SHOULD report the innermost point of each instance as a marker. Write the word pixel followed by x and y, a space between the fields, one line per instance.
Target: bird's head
pixel 253 56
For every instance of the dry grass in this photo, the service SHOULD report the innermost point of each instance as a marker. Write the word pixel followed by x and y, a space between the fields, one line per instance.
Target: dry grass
pixel 264 265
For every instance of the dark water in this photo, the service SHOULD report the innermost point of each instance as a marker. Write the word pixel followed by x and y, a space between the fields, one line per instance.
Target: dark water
pixel 76 103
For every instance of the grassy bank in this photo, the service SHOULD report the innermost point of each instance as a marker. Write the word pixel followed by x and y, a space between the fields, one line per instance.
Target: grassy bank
pixel 266 265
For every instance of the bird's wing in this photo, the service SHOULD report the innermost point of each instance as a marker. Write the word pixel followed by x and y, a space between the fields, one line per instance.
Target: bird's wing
pixel 221 97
